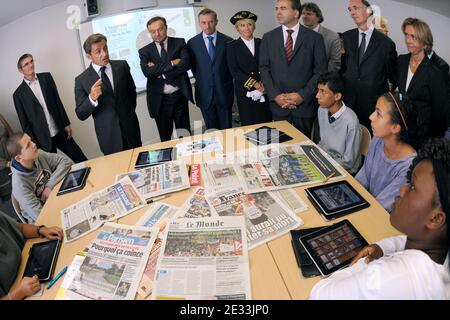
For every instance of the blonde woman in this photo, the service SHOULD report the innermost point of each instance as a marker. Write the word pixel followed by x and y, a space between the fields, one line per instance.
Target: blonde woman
pixel 243 59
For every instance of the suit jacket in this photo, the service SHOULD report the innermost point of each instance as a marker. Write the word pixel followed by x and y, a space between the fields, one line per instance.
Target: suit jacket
pixel 115 118
pixel 332 47
pixel 445 69
pixel 211 76
pixel 174 75
pixel 366 81
pixel 309 61
pixel 244 66
pixel 31 115
pixel 428 93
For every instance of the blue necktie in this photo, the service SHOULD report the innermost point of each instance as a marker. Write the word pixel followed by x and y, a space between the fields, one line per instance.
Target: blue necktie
pixel 211 48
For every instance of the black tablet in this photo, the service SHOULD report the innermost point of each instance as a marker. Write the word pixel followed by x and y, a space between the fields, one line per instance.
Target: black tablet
pixel 74 180
pixel 336 199
pixel 42 260
pixel 152 157
pixel 306 265
pixel 267 135
pixel 332 248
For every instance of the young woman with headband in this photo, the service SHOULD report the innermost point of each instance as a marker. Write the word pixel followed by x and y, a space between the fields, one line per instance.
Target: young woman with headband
pixel 414 265
pixel 395 129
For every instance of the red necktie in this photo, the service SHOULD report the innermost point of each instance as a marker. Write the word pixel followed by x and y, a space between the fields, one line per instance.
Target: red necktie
pixel 288 47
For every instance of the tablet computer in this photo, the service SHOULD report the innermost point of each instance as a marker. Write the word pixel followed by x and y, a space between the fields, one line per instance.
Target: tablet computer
pixel 152 157
pixel 42 260
pixel 306 265
pixel 336 199
pixel 74 180
pixel 267 135
pixel 332 248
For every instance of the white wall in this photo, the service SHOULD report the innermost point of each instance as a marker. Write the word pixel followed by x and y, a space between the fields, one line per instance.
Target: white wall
pixel 56 49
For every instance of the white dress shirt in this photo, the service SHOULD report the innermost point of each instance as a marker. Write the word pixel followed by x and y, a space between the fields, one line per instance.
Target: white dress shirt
pixel 250 45
pixel 409 78
pixel 109 74
pixel 368 33
pixel 168 89
pixel 294 34
pixel 400 274
pixel 37 91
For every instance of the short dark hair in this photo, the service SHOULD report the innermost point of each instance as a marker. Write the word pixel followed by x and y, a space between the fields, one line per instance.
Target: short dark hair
pixel 333 81
pixel 437 151
pixel 311 6
pixel 296 5
pixel 93 38
pixel 154 19
pixel 208 11
pixel 412 127
pixel 23 57
pixel 13 146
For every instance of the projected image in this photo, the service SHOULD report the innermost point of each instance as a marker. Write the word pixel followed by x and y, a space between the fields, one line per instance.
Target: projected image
pixel 127 33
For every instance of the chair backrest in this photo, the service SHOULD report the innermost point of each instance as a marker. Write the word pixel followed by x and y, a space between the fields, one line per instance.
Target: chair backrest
pixel 17 209
pixel 365 140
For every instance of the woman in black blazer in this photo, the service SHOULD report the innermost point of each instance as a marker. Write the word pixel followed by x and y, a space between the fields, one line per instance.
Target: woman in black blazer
pixel 243 60
pixel 421 80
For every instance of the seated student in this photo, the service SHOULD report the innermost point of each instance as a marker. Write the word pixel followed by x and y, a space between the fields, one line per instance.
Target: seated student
pixel 13 235
pixel 395 130
pixel 34 174
pixel 340 132
pixel 414 265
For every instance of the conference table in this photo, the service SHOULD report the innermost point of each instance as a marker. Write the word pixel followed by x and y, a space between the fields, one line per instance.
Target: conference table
pixel 273 268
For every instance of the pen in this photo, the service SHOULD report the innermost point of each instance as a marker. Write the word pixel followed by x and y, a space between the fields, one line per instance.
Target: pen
pixel 151 200
pixel 329 177
pixel 60 274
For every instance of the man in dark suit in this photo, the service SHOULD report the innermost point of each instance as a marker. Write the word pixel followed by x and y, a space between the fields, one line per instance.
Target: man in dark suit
pixel 292 57
pixel 41 112
pixel 107 91
pixel 165 63
pixel 370 59
pixel 213 82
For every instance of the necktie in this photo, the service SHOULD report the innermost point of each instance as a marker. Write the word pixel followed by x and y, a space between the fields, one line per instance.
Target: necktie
pixel 362 47
pixel 211 48
pixel 163 51
pixel 105 79
pixel 331 119
pixel 288 47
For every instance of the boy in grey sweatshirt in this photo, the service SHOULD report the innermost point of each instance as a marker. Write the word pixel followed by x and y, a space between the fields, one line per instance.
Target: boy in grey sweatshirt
pixel 34 174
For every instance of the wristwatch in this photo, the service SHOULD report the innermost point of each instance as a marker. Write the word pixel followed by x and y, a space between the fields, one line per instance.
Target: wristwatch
pixel 39 230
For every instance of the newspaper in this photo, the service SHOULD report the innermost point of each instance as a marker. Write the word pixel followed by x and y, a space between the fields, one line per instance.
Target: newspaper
pixel 291 199
pixel 105 205
pixel 113 264
pixel 195 206
pixel 285 166
pixel 204 259
pixel 219 174
pixel 212 144
pixel 158 215
pixel 159 179
pixel 266 217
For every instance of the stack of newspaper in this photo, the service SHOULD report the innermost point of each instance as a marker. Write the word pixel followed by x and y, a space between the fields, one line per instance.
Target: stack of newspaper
pixel 160 179
pixel 108 204
pixel 112 267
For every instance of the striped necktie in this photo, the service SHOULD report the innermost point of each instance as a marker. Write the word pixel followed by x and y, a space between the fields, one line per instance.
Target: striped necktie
pixel 288 47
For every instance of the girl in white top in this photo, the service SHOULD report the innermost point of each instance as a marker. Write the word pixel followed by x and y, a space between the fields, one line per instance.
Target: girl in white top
pixel 413 266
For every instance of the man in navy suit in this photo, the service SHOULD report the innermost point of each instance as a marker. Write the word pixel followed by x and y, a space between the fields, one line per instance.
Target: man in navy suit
pixel 165 63
pixel 213 82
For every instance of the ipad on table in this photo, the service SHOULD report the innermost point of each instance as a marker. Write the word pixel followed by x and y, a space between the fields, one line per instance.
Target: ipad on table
pixel 306 265
pixel 153 157
pixel 42 260
pixel 336 199
pixel 74 180
pixel 332 248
